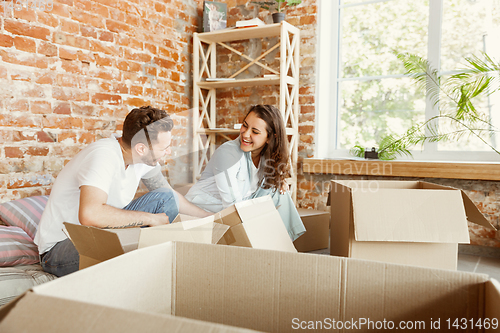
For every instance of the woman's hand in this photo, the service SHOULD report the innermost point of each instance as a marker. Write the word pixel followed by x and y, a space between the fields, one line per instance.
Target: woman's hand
pixel 284 187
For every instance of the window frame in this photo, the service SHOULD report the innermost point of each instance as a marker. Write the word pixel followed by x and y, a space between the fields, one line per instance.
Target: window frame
pixel 327 83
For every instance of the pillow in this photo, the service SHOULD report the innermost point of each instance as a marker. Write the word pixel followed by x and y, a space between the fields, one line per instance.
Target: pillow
pixel 16 247
pixel 24 213
pixel 16 280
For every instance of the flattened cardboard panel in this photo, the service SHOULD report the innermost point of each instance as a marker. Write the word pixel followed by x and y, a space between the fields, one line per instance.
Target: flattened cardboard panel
pixel 87 262
pixel 165 233
pixel 340 219
pixel 140 280
pixel 235 236
pixel 258 289
pixel 409 215
pixel 268 232
pixel 473 213
pixel 396 293
pixel 228 216
pixel 198 230
pixel 128 237
pixel 94 243
pixel 317 235
pixel 432 255
pixel 492 299
pixel 471 210
pixel 218 231
pixel 32 312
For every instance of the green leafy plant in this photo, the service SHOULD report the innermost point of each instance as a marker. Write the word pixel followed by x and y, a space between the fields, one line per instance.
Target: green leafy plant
pixel 278 5
pixel 455 95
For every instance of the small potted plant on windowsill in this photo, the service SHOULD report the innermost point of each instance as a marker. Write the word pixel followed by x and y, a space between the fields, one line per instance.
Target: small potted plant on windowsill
pixel 279 6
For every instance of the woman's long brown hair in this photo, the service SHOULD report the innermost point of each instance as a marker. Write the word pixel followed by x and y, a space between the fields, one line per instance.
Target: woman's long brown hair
pixel 276 167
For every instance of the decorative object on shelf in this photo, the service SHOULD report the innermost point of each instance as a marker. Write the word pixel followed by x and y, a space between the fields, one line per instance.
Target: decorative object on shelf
pixel 279 6
pixel 255 22
pixel 214 16
pixel 458 93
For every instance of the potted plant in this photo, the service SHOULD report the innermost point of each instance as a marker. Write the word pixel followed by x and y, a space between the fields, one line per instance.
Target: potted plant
pixel 279 6
pixel 458 92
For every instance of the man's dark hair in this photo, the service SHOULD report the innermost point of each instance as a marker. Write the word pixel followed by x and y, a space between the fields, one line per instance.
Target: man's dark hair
pixel 143 124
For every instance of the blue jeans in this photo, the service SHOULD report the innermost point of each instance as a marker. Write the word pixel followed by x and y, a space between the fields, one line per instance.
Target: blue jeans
pixel 63 258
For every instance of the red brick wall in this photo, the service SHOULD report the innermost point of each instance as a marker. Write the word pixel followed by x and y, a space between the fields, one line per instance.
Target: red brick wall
pixel 69 75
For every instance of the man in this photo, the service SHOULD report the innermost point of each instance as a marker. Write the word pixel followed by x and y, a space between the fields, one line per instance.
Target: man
pixel 97 186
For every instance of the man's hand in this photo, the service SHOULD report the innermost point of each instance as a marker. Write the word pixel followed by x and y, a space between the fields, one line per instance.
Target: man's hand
pixel 185 207
pixel 159 219
pixel 94 211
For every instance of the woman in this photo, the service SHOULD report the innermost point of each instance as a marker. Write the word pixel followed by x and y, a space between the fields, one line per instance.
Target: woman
pixel 253 165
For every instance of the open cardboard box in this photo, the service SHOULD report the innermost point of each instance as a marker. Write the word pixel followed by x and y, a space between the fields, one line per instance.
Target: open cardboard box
pixel 264 290
pixel 96 245
pixel 44 314
pixel 405 222
pixel 253 223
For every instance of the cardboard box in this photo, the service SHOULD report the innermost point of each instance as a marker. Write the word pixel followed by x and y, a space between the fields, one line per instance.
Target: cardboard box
pixel 96 245
pixel 264 290
pixel 317 234
pixel 255 223
pixel 406 222
pixel 31 313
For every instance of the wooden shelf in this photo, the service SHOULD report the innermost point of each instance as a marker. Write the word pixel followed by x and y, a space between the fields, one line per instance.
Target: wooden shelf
pixel 418 169
pixel 229 35
pixel 261 81
pixel 285 80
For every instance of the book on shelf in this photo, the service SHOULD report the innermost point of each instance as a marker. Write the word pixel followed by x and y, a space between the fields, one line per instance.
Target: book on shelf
pixel 255 22
pixel 211 79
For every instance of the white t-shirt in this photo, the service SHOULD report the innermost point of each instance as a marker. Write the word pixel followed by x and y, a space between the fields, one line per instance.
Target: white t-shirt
pixel 100 164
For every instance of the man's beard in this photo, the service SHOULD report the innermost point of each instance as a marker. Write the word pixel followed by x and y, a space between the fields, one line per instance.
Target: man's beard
pixel 149 159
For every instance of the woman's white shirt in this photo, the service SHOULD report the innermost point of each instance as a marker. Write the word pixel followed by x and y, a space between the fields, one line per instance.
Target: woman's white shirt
pixel 229 177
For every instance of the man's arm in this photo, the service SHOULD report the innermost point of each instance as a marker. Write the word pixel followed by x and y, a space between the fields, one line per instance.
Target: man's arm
pixel 185 207
pixel 95 212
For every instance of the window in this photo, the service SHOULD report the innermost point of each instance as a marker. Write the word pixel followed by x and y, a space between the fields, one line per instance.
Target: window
pixel 363 94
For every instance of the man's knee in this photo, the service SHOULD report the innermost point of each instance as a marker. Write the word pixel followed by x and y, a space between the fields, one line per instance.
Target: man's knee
pixel 62 259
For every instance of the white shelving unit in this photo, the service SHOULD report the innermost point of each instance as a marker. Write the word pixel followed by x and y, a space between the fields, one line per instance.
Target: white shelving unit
pixel 205 129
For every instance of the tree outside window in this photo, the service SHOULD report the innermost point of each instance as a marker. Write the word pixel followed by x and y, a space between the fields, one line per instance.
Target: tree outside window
pixel 370 95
